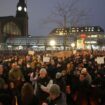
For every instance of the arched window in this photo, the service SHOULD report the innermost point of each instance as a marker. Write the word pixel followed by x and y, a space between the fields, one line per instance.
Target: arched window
pixel 12 29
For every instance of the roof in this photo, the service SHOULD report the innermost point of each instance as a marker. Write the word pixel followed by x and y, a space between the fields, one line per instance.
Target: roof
pixel 6 17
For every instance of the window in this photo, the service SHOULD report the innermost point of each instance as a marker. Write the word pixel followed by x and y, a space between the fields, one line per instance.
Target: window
pixel 11 28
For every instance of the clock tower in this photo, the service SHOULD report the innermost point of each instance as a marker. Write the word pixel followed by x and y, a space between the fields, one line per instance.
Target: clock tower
pixel 22 17
pixel 21 9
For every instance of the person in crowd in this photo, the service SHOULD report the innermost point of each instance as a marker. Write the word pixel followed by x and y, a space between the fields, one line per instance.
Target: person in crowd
pixel 16 75
pixel 27 71
pixel 98 88
pixel 2 74
pixel 60 81
pixel 56 97
pixel 43 84
pixel 59 66
pixel 52 69
pixel 88 77
pixel 12 91
pixel 27 95
pixel 71 83
pixel 4 96
pixel 83 96
pixel 69 96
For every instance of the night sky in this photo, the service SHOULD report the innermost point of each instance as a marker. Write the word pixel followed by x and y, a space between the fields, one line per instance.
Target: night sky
pixel 39 10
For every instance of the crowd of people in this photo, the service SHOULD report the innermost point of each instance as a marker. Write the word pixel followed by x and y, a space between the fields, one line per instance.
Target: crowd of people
pixel 75 80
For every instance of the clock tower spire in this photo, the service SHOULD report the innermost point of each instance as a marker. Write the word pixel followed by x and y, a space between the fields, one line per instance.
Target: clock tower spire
pixel 21 9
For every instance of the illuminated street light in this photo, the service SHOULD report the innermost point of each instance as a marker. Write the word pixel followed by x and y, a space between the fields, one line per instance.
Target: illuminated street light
pixel 20 47
pixel 73 45
pixel 9 46
pixel 52 43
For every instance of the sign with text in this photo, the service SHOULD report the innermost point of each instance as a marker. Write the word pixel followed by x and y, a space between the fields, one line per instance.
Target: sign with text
pixel 46 59
pixel 100 60
pixel 31 52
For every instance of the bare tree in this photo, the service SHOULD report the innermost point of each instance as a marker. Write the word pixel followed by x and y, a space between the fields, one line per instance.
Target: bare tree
pixel 67 13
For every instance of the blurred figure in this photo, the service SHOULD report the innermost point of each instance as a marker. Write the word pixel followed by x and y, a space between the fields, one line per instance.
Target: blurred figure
pixel 61 81
pixel 16 75
pixel 84 85
pixel 2 74
pixel 56 97
pixel 87 75
pixel 27 95
pixel 4 96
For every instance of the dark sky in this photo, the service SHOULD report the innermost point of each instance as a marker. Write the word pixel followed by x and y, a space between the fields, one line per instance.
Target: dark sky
pixel 39 10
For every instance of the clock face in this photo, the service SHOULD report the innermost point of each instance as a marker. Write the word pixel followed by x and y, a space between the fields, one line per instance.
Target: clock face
pixel 19 8
pixel 25 9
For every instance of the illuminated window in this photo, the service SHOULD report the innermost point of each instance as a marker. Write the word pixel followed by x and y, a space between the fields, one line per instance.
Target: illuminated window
pixel 77 30
pixel 91 42
pixel 98 30
pixel 82 30
pixel 92 27
pixel 89 30
pixel 73 28
pixel 73 31
pixel 86 28
pixel 92 30
pixel 88 36
pixel 61 33
pixel 94 36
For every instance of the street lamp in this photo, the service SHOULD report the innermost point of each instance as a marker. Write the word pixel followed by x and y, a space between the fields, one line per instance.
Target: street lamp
pixel 20 47
pixel 9 46
pixel 72 45
pixel 52 43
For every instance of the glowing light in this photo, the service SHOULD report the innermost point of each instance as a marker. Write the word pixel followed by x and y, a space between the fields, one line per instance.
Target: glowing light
pixel 52 42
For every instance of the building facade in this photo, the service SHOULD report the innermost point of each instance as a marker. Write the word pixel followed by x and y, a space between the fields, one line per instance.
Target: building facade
pixel 64 39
